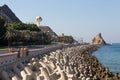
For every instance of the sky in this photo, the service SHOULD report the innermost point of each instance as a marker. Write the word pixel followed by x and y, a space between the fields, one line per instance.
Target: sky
pixel 83 19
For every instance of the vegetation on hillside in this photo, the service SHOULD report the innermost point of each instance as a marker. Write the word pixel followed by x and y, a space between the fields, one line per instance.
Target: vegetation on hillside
pixel 22 34
pixel 65 39
pixel 3 30
pixel 26 34
pixel 23 26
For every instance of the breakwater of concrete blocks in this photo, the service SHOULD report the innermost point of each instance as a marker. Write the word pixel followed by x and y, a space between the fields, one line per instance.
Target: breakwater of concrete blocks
pixel 68 63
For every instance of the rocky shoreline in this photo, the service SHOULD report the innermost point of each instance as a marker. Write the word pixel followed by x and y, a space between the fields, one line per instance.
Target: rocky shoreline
pixel 73 63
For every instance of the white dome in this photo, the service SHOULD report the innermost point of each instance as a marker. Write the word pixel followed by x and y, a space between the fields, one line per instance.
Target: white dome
pixel 38 18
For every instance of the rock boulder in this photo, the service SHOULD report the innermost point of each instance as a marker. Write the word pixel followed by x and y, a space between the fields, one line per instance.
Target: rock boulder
pixel 98 40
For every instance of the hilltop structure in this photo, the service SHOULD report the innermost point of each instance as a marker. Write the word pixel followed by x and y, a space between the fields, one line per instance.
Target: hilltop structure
pixel 8 15
pixel 38 20
pixel 98 39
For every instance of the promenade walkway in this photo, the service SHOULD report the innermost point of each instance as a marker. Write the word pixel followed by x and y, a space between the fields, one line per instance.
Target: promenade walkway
pixel 6 59
pixel 30 47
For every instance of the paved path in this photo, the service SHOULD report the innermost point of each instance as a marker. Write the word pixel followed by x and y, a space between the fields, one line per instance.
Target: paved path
pixel 3 51
pixel 31 47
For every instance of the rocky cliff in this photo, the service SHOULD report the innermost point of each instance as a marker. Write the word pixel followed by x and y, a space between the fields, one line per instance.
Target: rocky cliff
pixel 47 29
pixel 8 15
pixel 98 40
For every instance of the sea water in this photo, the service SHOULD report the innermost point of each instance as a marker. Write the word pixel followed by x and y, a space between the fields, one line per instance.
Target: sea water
pixel 109 56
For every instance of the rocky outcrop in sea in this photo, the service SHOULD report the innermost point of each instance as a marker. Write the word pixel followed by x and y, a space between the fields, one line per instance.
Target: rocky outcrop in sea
pixel 98 39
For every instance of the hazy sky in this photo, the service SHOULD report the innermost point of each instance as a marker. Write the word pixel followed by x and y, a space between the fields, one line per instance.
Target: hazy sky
pixel 79 18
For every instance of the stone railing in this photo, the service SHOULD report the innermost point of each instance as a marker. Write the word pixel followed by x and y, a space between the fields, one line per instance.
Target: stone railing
pixel 6 59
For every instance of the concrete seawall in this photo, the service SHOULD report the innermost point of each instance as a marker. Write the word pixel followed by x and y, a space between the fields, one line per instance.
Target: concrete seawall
pixel 8 59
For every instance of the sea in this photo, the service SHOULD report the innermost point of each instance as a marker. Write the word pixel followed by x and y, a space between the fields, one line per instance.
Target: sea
pixel 109 56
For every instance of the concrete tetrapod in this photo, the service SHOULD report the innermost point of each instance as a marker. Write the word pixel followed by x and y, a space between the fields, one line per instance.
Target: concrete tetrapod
pixel 5 75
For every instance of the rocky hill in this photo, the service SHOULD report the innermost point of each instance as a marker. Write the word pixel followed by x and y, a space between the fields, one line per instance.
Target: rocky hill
pixel 8 15
pixel 98 39
pixel 47 29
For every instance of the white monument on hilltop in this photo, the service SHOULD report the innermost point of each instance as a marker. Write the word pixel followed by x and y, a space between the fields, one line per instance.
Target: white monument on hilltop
pixel 38 20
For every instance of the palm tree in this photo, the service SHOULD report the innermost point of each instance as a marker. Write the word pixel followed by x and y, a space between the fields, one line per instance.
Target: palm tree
pixel 10 35
pixel 26 35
